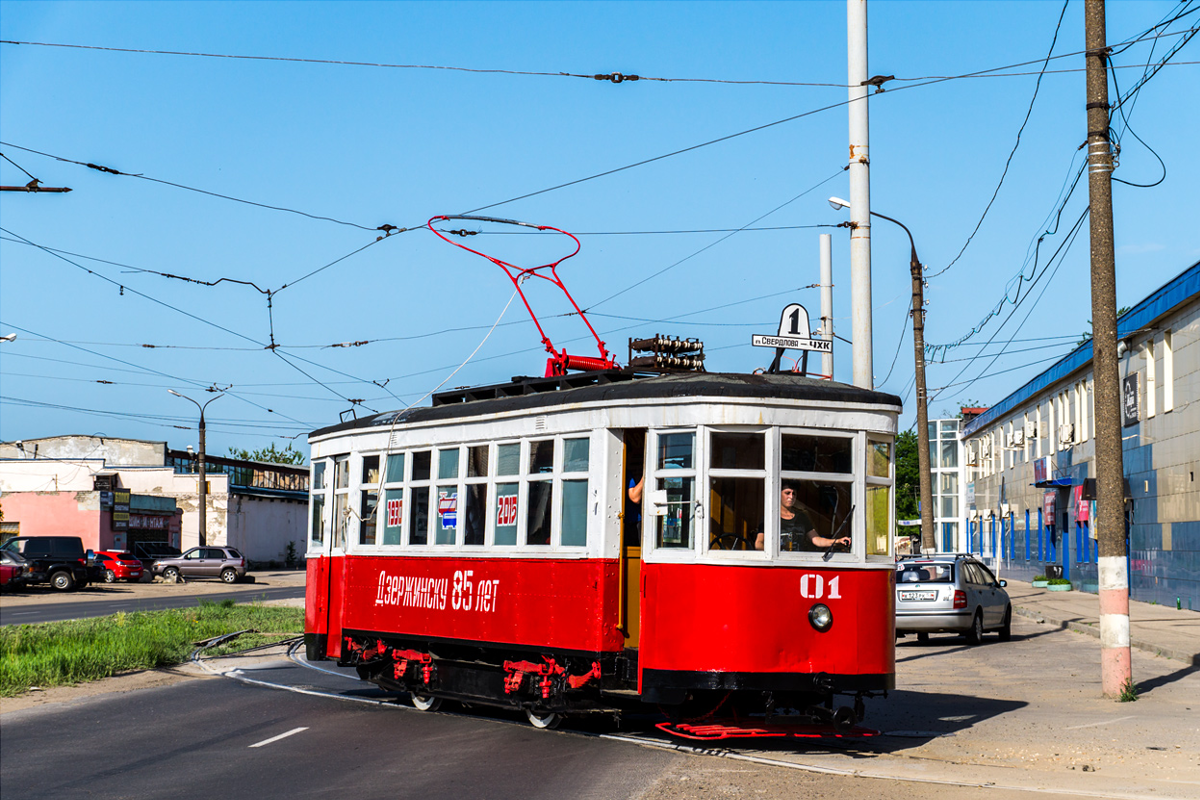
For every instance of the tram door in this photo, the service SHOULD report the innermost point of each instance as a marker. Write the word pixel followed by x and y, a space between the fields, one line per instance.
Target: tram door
pixel 631 532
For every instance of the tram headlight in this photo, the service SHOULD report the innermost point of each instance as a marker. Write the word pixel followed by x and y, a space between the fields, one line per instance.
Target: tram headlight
pixel 820 617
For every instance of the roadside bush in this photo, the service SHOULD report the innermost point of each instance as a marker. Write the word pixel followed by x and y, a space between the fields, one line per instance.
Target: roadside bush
pixel 1059 582
pixel 59 653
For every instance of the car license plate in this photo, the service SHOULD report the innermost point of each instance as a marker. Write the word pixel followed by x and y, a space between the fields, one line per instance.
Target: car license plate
pixel 928 595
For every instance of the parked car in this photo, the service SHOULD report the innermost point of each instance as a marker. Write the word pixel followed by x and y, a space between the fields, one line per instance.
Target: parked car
pixel 147 552
pixel 204 562
pixel 57 560
pixel 12 570
pixel 118 566
pixel 955 593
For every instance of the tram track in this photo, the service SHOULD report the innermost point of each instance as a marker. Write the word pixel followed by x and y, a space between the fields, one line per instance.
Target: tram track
pixel 1037 786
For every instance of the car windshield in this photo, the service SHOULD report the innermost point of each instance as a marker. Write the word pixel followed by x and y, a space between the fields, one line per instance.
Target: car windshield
pixel 925 573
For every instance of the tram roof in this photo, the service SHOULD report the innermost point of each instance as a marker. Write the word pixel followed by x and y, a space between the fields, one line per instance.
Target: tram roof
pixel 615 386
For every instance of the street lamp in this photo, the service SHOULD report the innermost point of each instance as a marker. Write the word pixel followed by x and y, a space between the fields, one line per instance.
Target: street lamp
pixel 203 481
pixel 928 536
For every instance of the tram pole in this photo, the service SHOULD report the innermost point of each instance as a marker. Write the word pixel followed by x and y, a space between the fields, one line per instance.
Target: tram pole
pixel 827 302
pixel 860 194
pixel 202 530
pixel 1116 669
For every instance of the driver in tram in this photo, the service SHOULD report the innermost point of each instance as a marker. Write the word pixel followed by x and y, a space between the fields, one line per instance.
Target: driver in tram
pixel 796 530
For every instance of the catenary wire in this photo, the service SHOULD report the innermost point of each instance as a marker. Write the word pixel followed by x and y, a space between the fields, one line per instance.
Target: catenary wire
pixel 1016 144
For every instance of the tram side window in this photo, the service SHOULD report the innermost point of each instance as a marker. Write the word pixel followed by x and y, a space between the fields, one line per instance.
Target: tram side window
pixel 737 469
pixel 446 527
pixel 879 496
pixel 676 473
pixel 368 500
pixel 475 523
pixel 341 499
pixel 575 492
pixel 508 464
pixel 540 502
pixel 393 499
pixel 318 492
pixel 418 519
pixel 816 492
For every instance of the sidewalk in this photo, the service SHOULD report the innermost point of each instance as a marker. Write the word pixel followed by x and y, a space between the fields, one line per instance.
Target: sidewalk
pixel 1161 630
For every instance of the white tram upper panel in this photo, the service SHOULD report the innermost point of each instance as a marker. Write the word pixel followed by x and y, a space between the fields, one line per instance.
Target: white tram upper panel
pixel 541 468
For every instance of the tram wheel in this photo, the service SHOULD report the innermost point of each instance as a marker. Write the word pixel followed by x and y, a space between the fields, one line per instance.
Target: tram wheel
pixel 426 703
pixel 546 721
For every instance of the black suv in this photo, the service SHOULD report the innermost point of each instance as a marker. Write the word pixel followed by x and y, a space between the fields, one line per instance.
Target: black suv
pixel 58 560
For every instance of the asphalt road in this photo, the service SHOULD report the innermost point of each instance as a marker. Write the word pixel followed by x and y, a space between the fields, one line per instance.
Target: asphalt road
pixel 218 738
pixel 96 607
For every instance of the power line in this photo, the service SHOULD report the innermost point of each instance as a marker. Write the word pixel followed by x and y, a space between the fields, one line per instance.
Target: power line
pixel 1008 162
pixel 645 233
pixel 387 229
pixel 812 188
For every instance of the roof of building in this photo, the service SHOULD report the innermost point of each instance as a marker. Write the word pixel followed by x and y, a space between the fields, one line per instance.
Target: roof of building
pixel 1175 292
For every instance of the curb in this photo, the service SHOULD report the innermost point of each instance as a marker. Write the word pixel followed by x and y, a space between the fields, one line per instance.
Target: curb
pixel 1191 659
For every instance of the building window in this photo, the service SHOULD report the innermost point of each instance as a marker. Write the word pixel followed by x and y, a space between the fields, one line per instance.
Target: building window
pixel 1151 376
pixel 1168 358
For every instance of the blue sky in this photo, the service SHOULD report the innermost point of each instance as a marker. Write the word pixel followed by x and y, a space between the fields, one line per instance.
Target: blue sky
pixel 375 145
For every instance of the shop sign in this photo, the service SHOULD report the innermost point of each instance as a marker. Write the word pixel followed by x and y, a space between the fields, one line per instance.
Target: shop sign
pixel 1039 470
pixel 1048 507
pixel 1081 505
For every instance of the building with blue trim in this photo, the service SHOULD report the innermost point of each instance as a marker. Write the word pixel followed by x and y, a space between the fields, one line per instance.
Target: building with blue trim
pixel 1028 459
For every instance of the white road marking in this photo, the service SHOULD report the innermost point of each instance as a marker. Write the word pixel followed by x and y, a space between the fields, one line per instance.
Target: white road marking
pixel 292 732
pixel 1097 724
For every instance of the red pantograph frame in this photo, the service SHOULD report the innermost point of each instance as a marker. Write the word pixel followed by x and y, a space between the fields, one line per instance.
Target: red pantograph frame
pixel 559 361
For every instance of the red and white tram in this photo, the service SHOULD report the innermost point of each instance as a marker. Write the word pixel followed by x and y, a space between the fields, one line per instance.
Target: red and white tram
pixel 485 549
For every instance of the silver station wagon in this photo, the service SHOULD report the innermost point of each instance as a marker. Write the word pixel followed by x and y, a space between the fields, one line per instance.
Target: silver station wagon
pixel 953 593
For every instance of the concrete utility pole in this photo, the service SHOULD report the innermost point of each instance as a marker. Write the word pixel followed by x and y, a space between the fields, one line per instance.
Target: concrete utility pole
pixel 827 302
pixel 860 194
pixel 1116 671
pixel 202 538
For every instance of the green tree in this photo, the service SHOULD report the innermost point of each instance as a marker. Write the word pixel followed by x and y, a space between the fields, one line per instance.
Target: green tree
pixel 272 454
pixel 908 476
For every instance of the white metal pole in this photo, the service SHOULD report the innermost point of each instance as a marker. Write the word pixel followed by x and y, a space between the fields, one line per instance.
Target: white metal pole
pixel 827 302
pixel 860 193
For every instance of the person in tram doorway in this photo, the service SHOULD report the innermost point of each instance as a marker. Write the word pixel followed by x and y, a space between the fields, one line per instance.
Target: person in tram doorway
pixel 796 530
pixel 634 506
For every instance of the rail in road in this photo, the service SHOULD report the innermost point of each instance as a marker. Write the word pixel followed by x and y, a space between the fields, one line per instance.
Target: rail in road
pixel 30 613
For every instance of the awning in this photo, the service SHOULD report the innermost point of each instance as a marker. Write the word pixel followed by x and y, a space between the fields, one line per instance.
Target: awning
pixel 1057 483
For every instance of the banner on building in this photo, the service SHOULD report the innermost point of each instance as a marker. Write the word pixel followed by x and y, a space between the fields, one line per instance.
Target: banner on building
pixel 1048 508
pixel 1039 470
pixel 1131 399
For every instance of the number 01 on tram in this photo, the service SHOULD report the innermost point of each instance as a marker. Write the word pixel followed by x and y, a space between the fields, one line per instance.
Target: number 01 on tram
pixel 606 540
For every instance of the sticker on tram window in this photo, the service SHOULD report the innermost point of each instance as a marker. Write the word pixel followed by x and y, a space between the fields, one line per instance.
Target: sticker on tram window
pixel 395 512
pixel 506 510
pixel 815 587
pixel 448 509
pixel 460 593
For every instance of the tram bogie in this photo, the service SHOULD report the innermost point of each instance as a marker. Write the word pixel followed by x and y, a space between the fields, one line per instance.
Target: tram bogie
pixel 486 549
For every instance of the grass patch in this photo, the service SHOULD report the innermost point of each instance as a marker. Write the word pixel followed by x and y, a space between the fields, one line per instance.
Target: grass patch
pixel 62 653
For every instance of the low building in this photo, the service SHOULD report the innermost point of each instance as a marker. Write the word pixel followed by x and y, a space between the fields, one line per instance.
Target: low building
pixel 1030 457
pixel 115 492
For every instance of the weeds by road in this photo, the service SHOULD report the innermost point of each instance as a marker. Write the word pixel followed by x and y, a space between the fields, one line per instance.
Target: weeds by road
pixel 59 653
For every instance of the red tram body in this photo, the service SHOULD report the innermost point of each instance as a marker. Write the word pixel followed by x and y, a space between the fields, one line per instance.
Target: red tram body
pixel 486 549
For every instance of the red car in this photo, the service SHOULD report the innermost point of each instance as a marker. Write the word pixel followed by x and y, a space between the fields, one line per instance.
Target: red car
pixel 12 570
pixel 119 566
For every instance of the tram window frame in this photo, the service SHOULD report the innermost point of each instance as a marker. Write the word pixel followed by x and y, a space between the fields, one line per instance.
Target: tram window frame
pixel 473 480
pixel 444 480
pixel 498 479
pixel 573 477
pixel 413 488
pixel 876 482
pixel 659 471
pixel 394 488
pixel 368 522
pixel 843 482
pixel 318 500
pixel 745 541
pixel 341 501
pixel 543 478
